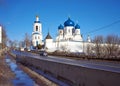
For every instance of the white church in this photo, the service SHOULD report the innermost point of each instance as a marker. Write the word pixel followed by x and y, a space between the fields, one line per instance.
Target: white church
pixel 69 37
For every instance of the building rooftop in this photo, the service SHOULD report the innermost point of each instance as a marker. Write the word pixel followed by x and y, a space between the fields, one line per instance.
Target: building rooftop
pixel 48 36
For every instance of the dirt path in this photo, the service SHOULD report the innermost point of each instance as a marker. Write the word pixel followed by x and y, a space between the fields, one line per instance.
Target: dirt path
pixel 6 75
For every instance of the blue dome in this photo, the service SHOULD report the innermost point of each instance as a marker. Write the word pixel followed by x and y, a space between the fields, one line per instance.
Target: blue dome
pixel 69 22
pixel 37 22
pixel 60 27
pixel 77 26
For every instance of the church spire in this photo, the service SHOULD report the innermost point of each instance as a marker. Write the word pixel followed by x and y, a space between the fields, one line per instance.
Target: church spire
pixel 37 18
pixel 88 38
pixel 48 36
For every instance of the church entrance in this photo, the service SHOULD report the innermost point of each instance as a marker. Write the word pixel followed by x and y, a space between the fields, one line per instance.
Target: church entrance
pixel 36 43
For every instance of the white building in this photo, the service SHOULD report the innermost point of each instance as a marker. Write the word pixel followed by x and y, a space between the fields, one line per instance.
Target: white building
pixel 37 32
pixel 68 39
pixel 0 34
pixel 70 31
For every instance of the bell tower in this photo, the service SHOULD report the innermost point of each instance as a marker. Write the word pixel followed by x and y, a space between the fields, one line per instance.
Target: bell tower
pixel 37 25
pixel 37 32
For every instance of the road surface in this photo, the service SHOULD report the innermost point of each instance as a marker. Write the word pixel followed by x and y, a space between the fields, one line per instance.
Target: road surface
pixel 100 65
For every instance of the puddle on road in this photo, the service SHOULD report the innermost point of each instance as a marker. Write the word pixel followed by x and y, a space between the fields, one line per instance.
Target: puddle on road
pixel 21 78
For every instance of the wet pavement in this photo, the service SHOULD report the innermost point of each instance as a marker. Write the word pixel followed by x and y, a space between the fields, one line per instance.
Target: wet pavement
pixel 21 78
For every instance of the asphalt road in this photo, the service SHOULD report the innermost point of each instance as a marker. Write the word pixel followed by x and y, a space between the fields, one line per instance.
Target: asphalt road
pixel 100 65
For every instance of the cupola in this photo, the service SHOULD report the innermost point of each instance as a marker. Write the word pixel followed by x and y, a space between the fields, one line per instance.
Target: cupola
pixel 60 27
pixel 77 26
pixel 69 22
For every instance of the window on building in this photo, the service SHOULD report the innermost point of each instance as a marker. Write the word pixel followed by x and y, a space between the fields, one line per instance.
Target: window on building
pixel 36 28
pixel 60 32
pixel 35 37
pixel 73 30
pixel 77 31
pixel 65 31
pixel 69 30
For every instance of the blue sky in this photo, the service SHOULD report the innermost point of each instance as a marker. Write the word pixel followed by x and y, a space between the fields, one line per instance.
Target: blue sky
pixel 18 16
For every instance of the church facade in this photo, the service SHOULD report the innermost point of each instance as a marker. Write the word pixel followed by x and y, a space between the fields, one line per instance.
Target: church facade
pixel 69 37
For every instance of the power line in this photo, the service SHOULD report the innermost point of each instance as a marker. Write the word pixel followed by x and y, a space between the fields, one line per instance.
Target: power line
pixel 104 27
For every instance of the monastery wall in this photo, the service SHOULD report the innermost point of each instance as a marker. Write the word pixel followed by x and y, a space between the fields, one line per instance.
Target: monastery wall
pixel 69 46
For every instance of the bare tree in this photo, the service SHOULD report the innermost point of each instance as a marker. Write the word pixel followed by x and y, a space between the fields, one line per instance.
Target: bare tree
pixel 88 49
pixel 27 40
pixel 10 44
pixel 13 44
pixel 98 47
pixel 21 44
pixel 112 45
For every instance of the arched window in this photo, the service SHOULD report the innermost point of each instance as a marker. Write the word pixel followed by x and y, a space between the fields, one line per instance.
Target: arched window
pixel 35 37
pixel 36 28
pixel 73 30
pixel 60 32
pixel 69 30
